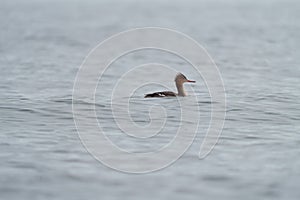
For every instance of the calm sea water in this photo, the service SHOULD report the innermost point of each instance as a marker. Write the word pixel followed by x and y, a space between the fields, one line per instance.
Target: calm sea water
pixel 256 47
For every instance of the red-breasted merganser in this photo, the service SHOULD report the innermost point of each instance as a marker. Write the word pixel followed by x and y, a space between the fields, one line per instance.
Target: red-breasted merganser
pixel 180 79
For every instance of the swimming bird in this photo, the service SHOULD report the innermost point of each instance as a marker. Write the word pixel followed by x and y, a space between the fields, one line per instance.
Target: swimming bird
pixel 180 79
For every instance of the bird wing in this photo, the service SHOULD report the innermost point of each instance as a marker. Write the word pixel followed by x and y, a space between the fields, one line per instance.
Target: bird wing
pixel 161 94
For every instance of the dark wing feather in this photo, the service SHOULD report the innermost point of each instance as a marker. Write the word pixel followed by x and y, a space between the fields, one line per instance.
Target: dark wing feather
pixel 161 94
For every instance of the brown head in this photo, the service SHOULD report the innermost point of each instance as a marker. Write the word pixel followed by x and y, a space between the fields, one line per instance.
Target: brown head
pixel 180 79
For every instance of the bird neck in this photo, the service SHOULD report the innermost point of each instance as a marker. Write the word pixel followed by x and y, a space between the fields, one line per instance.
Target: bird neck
pixel 180 89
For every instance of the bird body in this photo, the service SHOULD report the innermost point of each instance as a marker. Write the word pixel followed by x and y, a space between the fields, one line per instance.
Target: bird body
pixel 180 79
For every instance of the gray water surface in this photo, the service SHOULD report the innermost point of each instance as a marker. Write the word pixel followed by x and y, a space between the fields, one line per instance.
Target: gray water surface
pixel 256 47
